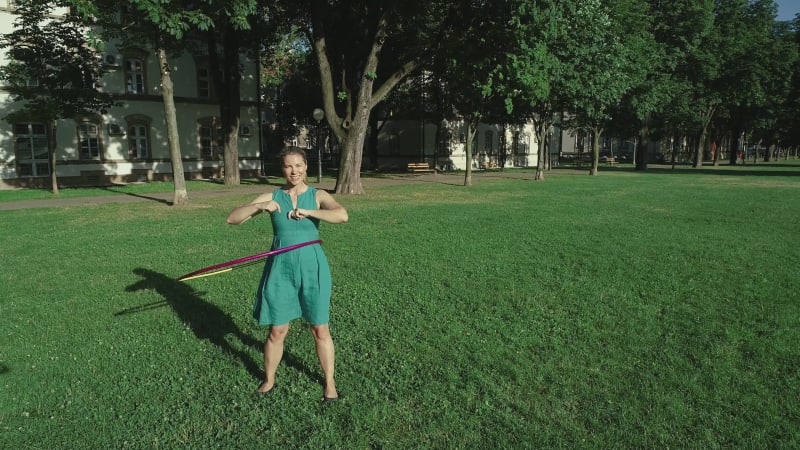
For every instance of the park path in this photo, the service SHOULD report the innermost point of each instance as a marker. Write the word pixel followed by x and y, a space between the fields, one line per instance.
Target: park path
pixel 166 197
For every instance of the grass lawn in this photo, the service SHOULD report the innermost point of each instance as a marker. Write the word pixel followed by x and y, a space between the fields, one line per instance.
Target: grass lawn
pixel 627 310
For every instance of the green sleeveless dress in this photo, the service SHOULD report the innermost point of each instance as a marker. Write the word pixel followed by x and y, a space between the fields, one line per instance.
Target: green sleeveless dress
pixel 296 283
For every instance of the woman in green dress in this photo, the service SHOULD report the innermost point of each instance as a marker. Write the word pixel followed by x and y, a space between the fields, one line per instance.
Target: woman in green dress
pixel 296 283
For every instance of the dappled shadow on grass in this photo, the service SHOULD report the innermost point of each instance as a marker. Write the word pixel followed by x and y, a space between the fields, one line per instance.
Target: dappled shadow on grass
pixel 206 320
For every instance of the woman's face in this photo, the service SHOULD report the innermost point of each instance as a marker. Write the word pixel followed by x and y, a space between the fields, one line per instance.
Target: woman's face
pixel 294 169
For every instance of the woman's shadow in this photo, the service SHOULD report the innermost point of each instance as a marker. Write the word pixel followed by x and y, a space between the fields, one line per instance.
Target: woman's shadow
pixel 206 320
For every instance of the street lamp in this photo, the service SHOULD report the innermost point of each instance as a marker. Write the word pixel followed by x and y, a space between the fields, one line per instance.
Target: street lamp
pixel 319 114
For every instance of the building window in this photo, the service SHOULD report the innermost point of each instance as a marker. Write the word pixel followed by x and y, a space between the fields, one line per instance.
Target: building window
pixel 209 137
pixel 31 149
pixel 89 140
pixel 139 141
pixel 206 141
pixel 203 82
pixel 134 76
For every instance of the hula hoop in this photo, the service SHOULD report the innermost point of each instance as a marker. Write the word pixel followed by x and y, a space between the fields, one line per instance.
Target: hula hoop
pixel 230 265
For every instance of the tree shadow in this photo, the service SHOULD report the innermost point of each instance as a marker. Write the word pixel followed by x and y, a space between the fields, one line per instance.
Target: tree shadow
pixel 145 197
pixel 753 170
pixel 207 321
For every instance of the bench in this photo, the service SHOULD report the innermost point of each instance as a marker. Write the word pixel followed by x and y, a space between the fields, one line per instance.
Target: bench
pixel 611 160
pixel 419 167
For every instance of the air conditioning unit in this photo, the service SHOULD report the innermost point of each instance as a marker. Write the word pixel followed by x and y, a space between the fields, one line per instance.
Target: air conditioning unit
pixel 110 59
pixel 244 130
pixel 115 129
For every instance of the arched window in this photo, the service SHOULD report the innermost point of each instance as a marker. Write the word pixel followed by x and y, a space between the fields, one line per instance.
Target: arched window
pixel 89 138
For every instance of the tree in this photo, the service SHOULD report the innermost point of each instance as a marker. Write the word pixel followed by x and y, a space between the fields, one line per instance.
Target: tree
pixel 469 76
pixel 364 49
pixel 54 68
pixel 238 27
pixel 535 29
pixel 161 25
pixel 602 61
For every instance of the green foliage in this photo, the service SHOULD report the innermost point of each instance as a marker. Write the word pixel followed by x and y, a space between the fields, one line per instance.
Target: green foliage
pixel 622 311
pixel 53 65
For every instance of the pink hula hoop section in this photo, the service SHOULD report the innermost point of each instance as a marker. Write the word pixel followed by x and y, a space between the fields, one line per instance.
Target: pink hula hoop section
pixel 230 265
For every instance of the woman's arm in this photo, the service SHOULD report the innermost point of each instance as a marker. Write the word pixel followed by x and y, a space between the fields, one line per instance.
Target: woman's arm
pixel 262 203
pixel 329 210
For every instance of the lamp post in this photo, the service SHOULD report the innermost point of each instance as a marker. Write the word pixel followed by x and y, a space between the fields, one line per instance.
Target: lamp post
pixel 318 115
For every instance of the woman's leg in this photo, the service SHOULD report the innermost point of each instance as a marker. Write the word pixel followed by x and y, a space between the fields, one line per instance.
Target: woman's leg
pixel 273 352
pixel 325 353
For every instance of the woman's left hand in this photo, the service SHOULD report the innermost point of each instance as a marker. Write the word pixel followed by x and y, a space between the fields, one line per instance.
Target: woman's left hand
pixel 298 214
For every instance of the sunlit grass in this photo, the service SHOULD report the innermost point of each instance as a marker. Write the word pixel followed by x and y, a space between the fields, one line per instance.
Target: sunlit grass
pixel 627 310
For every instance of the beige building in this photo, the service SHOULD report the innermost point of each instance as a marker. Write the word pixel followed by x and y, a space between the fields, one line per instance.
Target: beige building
pixel 129 142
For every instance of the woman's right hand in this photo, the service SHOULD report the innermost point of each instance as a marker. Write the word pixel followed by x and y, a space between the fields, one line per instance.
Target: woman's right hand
pixel 270 206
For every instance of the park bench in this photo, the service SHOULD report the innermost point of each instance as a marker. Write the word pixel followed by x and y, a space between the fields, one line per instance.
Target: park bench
pixel 611 160
pixel 419 167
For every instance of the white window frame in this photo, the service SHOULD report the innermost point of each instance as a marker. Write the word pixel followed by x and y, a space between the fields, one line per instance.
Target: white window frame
pixel 26 144
pixel 89 142
pixel 204 83
pixel 139 140
pixel 135 81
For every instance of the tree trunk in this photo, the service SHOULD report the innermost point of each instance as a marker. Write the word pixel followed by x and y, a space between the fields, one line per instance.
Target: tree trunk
pixel 719 145
pixel 674 157
pixel 540 125
pixel 226 76
pixel 734 152
pixel 349 179
pixel 539 128
pixel 472 128
pixel 51 151
pixel 180 196
pixel 644 142
pixel 768 154
pixel 351 126
pixel 698 162
pixel 596 133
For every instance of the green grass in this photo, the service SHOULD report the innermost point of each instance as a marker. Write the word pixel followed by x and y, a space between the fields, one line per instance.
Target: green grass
pixel 627 310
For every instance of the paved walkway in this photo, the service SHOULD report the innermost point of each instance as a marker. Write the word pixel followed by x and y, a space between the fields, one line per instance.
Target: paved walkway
pixel 166 197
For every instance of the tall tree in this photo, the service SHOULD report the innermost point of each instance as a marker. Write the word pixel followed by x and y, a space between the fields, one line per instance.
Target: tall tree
pixel 534 65
pixel 602 61
pixel 239 28
pixel 364 49
pixel 54 67
pixel 470 74
pixel 161 25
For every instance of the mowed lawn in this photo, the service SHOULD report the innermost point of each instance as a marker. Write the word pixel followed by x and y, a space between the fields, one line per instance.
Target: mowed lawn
pixel 627 310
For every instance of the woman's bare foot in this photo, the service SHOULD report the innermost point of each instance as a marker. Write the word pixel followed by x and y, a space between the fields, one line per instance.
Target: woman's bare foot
pixel 265 388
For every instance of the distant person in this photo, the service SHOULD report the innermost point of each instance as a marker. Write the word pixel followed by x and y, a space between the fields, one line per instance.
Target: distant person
pixel 296 283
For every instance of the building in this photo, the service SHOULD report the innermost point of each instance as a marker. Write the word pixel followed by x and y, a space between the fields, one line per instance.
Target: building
pixel 129 142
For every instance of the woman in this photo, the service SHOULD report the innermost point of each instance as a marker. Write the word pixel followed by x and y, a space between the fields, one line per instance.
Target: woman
pixel 296 283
